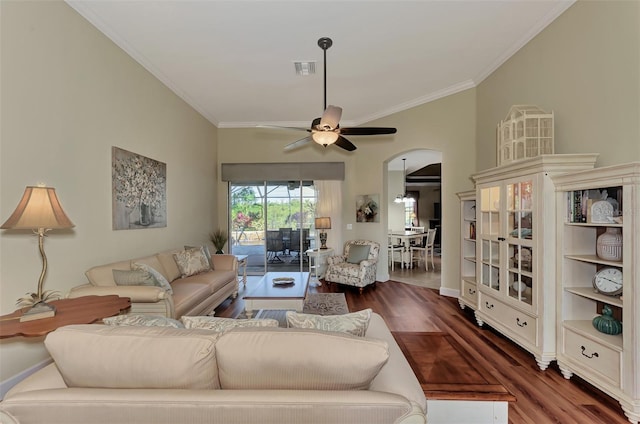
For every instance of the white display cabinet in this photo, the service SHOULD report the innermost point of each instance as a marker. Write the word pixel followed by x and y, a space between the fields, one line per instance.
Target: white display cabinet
pixel 468 288
pixel 611 362
pixel 516 250
pixel 526 132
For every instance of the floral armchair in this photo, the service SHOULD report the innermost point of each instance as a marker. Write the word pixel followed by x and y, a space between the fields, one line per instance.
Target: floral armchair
pixel 357 266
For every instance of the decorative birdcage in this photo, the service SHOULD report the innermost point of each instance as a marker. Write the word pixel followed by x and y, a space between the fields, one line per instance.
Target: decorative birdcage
pixel 526 132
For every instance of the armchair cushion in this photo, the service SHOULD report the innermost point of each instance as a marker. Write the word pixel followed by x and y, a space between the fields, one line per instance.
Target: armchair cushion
pixel 358 253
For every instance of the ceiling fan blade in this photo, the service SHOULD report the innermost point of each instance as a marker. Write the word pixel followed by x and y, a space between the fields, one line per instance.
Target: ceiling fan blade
pixel 298 143
pixel 276 127
pixel 367 130
pixel 331 117
pixel 345 144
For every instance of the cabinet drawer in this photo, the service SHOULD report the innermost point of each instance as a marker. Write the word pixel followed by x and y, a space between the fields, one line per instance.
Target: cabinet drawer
pixel 592 355
pixel 469 291
pixel 520 324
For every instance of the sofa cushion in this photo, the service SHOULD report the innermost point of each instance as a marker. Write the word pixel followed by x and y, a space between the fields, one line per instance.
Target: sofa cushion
pixel 103 356
pixel 160 279
pixel 133 278
pixel 152 262
pixel 102 275
pixel 224 324
pixel 355 323
pixel 206 251
pixel 191 262
pixel 169 264
pixel 215 280
pixel 143 320
pixel 296 359
pixel 358 253
pixel 189 292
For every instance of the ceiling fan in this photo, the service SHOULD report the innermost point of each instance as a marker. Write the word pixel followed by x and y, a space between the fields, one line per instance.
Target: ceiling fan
pixel 326 129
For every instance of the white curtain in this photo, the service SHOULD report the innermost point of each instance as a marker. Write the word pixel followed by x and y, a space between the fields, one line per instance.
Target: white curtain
pixel 329 203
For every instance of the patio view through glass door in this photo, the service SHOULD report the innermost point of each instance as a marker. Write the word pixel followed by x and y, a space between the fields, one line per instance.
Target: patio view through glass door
pixel 272 223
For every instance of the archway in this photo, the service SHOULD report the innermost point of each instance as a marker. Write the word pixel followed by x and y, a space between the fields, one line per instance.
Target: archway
pixel 422 181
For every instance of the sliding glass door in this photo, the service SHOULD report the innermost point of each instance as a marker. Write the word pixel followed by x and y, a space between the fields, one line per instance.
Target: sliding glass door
pixel 272 223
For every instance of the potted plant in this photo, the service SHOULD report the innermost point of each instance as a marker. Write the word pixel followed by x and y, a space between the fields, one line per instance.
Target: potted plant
pixel 219 239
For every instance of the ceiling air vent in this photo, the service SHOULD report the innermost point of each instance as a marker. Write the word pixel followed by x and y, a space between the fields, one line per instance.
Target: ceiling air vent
pixel 305 68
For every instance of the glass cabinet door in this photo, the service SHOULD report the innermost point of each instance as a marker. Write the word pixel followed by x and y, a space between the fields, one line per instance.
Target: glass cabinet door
pixel 520 227
pixel 489 245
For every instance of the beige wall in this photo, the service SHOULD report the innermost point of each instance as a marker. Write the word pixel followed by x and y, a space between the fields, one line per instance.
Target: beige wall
pixel 68 95
pixel 585 67
pixel 446 125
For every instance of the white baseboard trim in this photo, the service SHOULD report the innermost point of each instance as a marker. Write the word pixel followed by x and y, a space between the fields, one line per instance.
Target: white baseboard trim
pixel 10 382
pixel 449 292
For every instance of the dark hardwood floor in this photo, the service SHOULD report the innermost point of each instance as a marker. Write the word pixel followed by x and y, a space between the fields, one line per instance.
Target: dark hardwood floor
pixel 542 396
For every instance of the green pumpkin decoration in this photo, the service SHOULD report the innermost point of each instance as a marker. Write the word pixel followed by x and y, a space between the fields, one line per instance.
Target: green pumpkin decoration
pixel 606 323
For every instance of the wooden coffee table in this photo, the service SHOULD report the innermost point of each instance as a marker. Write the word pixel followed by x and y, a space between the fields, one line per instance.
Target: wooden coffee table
pixel 268 295
pixel 79 310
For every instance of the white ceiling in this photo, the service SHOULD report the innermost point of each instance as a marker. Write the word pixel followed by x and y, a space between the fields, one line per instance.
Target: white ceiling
pixel 233 60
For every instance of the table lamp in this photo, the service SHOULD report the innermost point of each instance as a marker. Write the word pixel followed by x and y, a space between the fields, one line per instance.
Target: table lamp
pixel 39 210
pixel 323 223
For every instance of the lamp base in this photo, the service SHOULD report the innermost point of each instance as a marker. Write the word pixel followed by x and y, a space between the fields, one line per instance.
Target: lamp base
pixel 323 240
pixel 39 310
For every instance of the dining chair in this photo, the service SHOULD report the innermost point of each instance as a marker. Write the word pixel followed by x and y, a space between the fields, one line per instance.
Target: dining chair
pixel 424 250
pixel 391 249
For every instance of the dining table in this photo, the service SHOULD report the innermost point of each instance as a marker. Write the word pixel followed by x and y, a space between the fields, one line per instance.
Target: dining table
pixel 404 238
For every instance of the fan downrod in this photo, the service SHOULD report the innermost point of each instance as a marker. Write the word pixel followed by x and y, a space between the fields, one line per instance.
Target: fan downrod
pixel 325 43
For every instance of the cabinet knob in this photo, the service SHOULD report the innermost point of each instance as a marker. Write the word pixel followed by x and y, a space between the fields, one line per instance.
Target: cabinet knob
pixel 521 323
pixel 488 305
pixel 501 239
pixel 472 291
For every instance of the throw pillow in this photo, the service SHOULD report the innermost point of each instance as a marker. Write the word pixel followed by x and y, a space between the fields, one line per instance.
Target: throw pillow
pixel 143 320
pixel 358 253
pixel 206 251
pixel 133 278
pixel 355 323
pixel 191 262
pixel 159 278
pixel 221 325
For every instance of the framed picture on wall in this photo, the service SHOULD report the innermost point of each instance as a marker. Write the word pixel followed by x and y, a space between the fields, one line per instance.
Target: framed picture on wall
pixel 139 191
pixel 367 208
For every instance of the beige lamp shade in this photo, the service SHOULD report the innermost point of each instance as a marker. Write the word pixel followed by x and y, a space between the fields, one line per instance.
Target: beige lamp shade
pixel 38 208
pixel 323 223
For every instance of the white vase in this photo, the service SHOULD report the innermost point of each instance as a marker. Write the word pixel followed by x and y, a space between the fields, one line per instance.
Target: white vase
pixel 609 244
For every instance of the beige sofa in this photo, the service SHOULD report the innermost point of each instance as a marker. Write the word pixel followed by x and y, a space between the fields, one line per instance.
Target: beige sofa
pixel 159 375
pixel 194 295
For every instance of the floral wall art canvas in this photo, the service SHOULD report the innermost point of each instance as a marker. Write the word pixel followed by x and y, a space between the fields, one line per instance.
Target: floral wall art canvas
pixel 139 191
pixel 367 208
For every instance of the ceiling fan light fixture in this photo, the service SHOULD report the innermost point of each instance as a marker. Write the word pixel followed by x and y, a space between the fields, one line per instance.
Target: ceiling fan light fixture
pixel 324 138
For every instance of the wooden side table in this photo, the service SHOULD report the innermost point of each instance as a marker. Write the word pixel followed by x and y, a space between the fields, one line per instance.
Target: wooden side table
pixel 80 310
